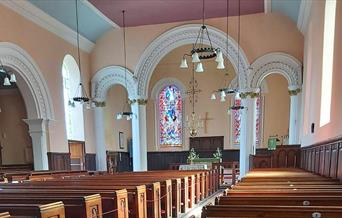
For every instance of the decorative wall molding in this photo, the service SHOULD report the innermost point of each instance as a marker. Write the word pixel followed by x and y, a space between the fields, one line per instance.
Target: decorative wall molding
pixel 31 82
pixel 304 16
pixel 109 76
pixel 183 35
pixel 138 101
pixel 276 62
pixel 294 91
pixel 42 19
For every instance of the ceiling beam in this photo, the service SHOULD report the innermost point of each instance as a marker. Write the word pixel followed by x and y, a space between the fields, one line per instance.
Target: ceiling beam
pixel 39 17
pixel 304 15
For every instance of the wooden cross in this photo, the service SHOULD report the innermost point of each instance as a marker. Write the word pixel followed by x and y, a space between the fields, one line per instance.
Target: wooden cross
pixel 206 119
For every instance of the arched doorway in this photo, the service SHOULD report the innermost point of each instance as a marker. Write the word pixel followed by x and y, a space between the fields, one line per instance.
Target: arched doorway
pixel 36 96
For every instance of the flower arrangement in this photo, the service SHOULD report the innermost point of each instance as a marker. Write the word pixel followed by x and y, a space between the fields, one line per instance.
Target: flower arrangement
pixel 218 154
pixel 192 155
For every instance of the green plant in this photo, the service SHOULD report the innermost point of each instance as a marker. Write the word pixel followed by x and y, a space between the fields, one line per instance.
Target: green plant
pixel 218 154
pixel 192 155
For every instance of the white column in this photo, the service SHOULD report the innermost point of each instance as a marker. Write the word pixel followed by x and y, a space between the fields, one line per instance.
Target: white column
pixel 100 143
pixel 248 134
pixel 38 130
pixel 294 116
pixel 139 135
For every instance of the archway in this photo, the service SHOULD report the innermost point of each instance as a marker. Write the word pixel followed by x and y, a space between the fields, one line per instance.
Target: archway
pixel 183 35
pixel 291 69
pixel 36 97
pixel 103 80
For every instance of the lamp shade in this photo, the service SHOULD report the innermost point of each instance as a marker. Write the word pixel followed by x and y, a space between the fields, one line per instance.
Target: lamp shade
pixel 195 58
pixel 223 99
pixel 220 65
pixel 119 116
pixel 7 82
pixel 199 68
pixel 13 79
pixel 183 64
pixel 223 93
pixel 213 96
pixel 219 57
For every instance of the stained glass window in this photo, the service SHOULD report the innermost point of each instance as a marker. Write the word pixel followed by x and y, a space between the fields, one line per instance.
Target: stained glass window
pixel 236 115
pixel 258 124
pixel 170 116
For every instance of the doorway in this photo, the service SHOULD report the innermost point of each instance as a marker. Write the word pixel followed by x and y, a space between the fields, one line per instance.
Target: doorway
pixel 77 155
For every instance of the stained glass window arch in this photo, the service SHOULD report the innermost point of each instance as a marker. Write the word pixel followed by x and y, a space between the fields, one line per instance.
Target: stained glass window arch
pixel 236 121
pixel 170 115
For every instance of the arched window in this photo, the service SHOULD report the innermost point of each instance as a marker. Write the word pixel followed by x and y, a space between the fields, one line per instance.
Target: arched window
pixel 170 116
pixel 236 116
pixel 258 123
pixel 73 111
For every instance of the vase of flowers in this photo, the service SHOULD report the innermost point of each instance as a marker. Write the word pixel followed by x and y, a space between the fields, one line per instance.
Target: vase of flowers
pixel 192 156
pixel 218 154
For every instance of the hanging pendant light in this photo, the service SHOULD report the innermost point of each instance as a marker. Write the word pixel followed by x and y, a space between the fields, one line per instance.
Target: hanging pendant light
pixel 220 65
pixel 213 96
pixel 13 78
pixel 81 95
pixel 184 63
pixel 8 77
pixel 125 113
pixel 199 68
pixel 200 51
pixel 6 82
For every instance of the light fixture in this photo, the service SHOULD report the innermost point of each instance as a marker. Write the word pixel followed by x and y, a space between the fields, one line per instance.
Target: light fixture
pixel 81 95
pixel 235 107
pixel 9 78
pixel 200 51
pixel 125 113
pixel 194 123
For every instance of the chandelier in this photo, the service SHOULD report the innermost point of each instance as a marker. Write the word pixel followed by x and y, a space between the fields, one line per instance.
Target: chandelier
pixel 125 113
pixel 81 95
pixel 194 123
pixel 9 78
pixel 200 51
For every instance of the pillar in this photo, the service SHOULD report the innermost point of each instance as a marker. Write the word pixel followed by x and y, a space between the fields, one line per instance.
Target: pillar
pixel 295 98
pixel 139 134
pixel 248 133
pixel 38 130
pixel 100 143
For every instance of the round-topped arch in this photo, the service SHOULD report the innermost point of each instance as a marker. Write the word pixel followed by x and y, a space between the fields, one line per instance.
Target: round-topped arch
pixel 109 76
pixel 183 35
pixel 276 62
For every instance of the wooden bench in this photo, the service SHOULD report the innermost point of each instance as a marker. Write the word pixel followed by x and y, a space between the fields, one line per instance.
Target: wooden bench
pixel 53 210
pixel 5 215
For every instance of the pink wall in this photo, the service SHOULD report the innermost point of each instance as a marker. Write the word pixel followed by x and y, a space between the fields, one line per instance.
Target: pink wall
pixel 114 104
pixel 260 34
pixel 313 75
pixel 14 138
pixel 48 51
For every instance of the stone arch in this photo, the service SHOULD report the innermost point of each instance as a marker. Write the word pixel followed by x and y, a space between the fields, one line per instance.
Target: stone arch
pixel 110 76
pixel 276 62
pixel 31 82
pixel 183 35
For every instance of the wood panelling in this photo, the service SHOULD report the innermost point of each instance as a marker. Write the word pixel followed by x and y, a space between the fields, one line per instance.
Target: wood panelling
pixel 285 156
pixel 59 161
pixel 324 158
pixel 90 162
pixel 118 161
pixel 207 144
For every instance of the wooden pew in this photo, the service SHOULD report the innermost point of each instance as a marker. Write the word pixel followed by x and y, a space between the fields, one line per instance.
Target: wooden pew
pixel 114 201
pixel 53 210
pixel 83 207
pixel 5 215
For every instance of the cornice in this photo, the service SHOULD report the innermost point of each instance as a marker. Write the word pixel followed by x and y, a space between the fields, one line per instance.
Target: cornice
pixel 42 19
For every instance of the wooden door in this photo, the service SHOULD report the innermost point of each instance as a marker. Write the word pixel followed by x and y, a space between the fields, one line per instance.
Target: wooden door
pixel 77 155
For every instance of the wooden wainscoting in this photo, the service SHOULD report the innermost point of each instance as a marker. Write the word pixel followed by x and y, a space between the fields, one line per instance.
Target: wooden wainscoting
pixel 90 162
pixel 285 156
pixel 324 158
pixel 59 161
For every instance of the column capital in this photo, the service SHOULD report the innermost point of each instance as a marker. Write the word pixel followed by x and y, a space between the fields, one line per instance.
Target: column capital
pixel 139 101
pixel 100 103
pixel 244 95
pixel 295 91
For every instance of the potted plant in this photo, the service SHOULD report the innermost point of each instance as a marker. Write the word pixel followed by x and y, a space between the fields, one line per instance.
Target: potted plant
pixel 218 154
pixel 192 156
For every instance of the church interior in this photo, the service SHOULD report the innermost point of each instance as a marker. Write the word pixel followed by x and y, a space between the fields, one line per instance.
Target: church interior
pixel 170 108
